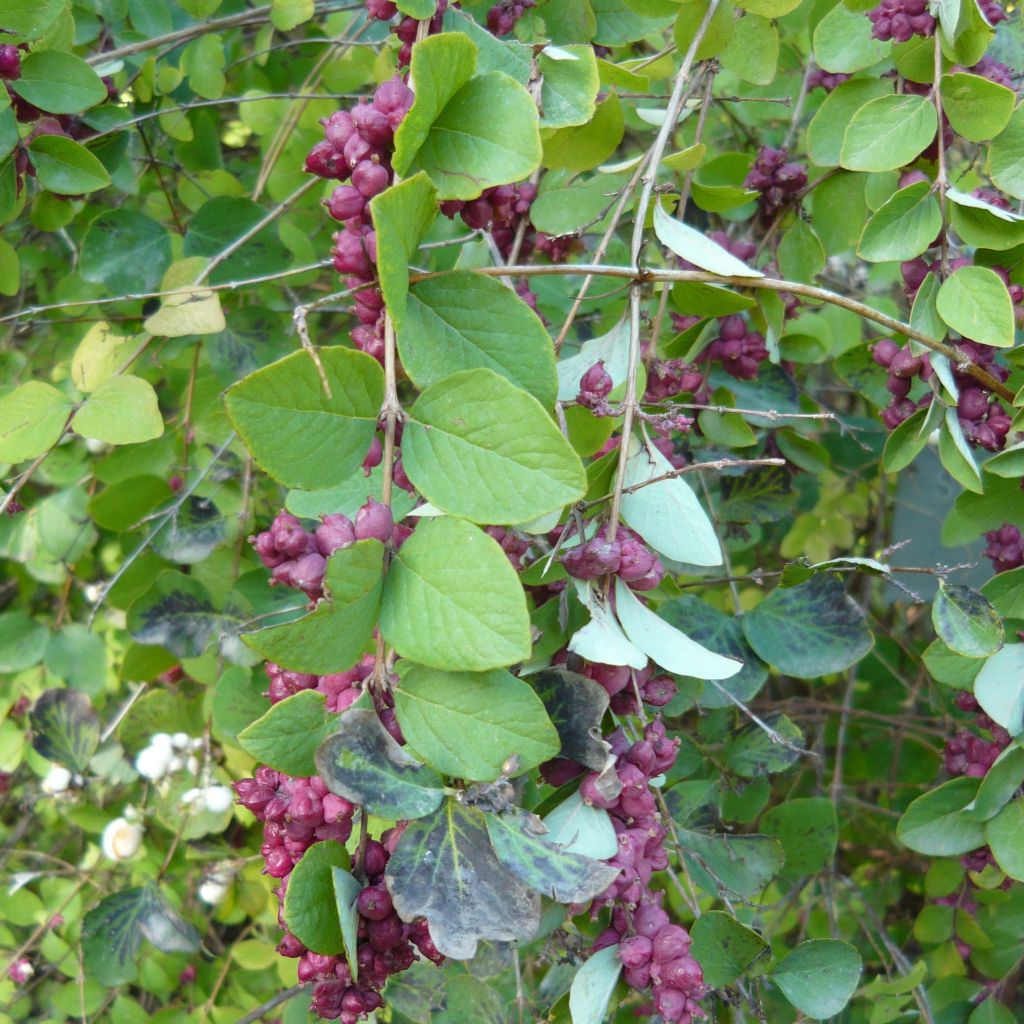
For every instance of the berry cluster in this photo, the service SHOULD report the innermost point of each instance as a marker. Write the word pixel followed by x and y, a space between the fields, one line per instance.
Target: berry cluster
pixel 1005 548
pixel 901 20
pixel 298 558
pixel 778 181
pixel 969 754
pixel 655 953
pixel 669 377
pixel 504 15
pixel 827 80
pixel 739 349
pixel 626 557
pixel 357 148
pixel 408 28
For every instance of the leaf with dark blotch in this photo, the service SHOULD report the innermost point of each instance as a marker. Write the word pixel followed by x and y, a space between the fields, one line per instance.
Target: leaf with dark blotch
pixel 518 840
pixel 760 496
pixel 809 630
pixel 753 751
pixel 112 933
pixel 65 728
pixel 576 705
pixel 176 612
pixel 966 621
pixel 444 868
pixel 362 763
pixel 192 532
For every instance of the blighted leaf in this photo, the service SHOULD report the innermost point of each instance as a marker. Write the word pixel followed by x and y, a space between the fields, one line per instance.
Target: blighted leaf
pixel 287 736
pixel 936 823
pixel 494 715
pixel 578 827
pixel 592 986
pixel 819 977
pixel 310 910
pixel 809 630
pixel 332 636
pixel 667 514
pixel 176 612
pixel 576 705
pixel 758 496
pixel 524 846
pixel 65 728
pixel 453 601
pixel 966 621
pixel 999 688
pixel 362 763
pixel 299 434
pixel 665 644
pixel 722 634
pixel 192 533
pixel 475 426
pixel 445 869
pixel 112 933
pixel 724 948
pixel 753 751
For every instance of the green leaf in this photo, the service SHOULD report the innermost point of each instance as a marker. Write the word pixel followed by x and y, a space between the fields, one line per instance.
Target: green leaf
pixel 665 644
pixel 722 634
pixel 288 14
pixel 887 132
pixel 299 434
pixel 461 321
pixel 238 700
pixel 78 657
pixel 1000 784
pixel 843 41
pixel 1006 156
pixel 819 977
pixel 122 410
pixel 981 224
pixel 565 202
pixel 112 933
pixel 190 310
pixel 220 224
pixel 810 630
pixel 724 948
pixel 974 302
pixel 523 845
pixel 977 108
pixel 453 601
pixel 59 83
pixel 716 35
pixel 827 127
pixel 346 894
pixel 966 621
pixel 1005 836
pixel 906 442
pixel 743 865
pixel 689 244
pixel 800 255
pixel 362 763
pixel 66 167
pixel 192 533
pixel 667 514
pixel 753 751
pixel 991 1012
pixel 401 215
pixel 999 688
pixel 333 636
pixel 32 419
pixel 287 737
pixel 593 985
pixel 955 454
pixel 176 612
pixel 808 830
pixel 494 715
pixel 937 823
pixel 126 251
pixel 752 53
pixel 310 911
pixel 445 869
pixel 585 147
pixel 904 227
pixel 1006 592
pixel 578 827
pixel 65 728
pixel 451 132
pixel 479 447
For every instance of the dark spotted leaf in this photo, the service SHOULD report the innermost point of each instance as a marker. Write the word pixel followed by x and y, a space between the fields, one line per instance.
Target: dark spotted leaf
pixel 331 637
pixel 192 532
pixel 112 933
pixel 362 763
pixel 966 621
pixel 760 496
pixel 753 751
pixel 809 630
pixel 65 728
pixel 445 869
pixel 518 840
pixel 288 735
pixel 576 706
pixel 177 612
